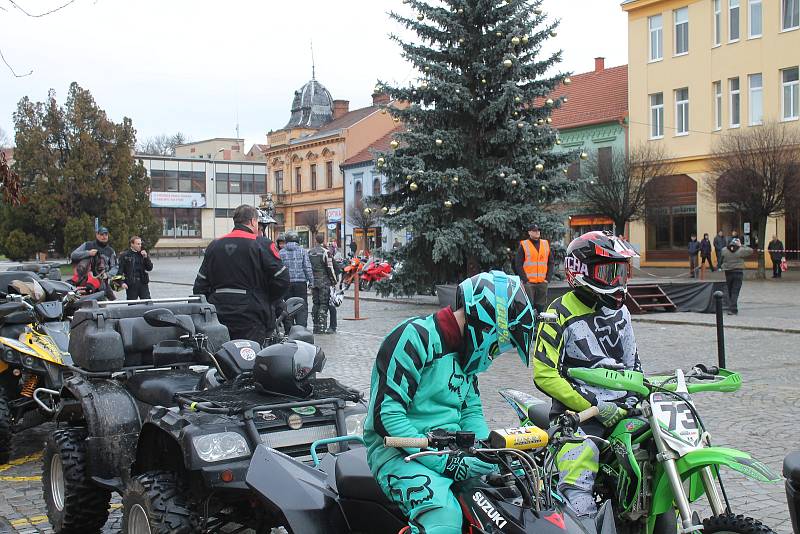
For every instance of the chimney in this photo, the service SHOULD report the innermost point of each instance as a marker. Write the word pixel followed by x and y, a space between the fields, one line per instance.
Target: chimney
pixel 340 107
pixel 380 99
pixel 599 64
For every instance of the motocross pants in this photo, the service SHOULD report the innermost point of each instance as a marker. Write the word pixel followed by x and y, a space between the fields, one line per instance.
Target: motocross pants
pixel 578 464
pixel 423 495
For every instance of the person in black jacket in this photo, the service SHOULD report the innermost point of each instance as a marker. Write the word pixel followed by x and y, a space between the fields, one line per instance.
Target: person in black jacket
pixel 705 252
pixel 719 245
pixel 776 254
pixel 242 276
pixel 694 249
pixel 134 264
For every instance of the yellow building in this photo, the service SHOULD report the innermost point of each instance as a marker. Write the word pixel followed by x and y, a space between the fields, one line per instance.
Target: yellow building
pixel 303 158
pixel 699 69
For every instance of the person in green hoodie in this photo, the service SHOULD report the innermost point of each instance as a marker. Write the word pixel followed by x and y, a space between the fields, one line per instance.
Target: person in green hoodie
pixel 425 378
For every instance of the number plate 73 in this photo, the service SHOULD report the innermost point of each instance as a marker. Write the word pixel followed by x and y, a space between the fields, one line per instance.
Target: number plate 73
pixel 676 416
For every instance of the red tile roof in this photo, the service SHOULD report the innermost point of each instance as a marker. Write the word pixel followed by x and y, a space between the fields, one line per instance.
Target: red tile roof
pixel 594 97
pixel 368 154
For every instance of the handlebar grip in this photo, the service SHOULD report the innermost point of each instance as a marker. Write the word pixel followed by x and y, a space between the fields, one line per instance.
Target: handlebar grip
pixel 405 443
pixel 588 413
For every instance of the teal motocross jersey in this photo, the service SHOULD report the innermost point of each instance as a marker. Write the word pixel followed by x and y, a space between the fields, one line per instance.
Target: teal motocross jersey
pixel 418 385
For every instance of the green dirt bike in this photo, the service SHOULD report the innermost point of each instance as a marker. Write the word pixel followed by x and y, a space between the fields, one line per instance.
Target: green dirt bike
pixel 659 459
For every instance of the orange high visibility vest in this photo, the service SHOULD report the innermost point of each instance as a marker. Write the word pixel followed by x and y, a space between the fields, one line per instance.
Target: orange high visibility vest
pixel 535 265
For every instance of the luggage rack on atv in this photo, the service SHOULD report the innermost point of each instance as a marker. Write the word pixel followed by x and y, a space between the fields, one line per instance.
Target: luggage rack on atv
pixel 244 394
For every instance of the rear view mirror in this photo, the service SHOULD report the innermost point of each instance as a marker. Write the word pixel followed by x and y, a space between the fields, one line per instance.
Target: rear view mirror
pixel 548 318
pixel 294 305
pixel 162 317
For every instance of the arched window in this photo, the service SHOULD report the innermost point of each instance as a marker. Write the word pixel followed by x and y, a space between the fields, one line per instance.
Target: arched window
pixel 359 194
pixel 376 187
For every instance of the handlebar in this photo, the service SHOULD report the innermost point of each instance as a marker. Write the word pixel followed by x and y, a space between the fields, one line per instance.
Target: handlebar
pixel 405 443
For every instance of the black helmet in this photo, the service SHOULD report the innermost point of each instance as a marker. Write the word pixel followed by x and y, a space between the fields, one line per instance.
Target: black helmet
pixel 598 264
pixel 292 237
pixel 284 368
pixel 281 238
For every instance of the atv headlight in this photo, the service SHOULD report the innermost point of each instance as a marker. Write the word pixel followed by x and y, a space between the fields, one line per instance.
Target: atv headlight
pixel 220 446
pixel 355 424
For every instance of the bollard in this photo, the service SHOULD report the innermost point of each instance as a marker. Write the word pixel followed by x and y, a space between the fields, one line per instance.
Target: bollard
pixel 718 296
pixel 356 301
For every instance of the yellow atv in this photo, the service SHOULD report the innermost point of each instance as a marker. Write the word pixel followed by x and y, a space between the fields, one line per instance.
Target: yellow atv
pixel 34 340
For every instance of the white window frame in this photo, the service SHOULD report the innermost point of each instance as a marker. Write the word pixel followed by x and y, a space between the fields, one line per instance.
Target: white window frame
pixel 717 22
pixel 734 95
pixel 794 101
pixel 756 94
pixel 752 5
pixel 796 9
pixel 734 5
pixel 657 112
pixel 659 31
pixel 681 113
pixel 675 25
pixel 717 87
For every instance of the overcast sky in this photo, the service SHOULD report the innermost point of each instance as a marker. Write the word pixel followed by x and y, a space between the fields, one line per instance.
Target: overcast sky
pixel 193 65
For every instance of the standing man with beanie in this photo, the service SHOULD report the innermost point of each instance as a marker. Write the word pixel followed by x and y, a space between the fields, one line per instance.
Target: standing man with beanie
pixel 534 265
pixel 324 278
pixel 101 257
pixel 694 250
pixel 733 259
pixel 295 258
pixel 242 277
pixel 719 245
pixel 134 264
pixel 776 254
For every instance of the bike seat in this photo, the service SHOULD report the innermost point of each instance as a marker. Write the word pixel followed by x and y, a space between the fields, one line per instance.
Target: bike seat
pixel 539 414
pixel 157 388
pixel 355 481
pixel 791 467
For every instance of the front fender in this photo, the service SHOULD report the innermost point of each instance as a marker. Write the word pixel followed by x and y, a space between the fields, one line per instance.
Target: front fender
pixel 689 467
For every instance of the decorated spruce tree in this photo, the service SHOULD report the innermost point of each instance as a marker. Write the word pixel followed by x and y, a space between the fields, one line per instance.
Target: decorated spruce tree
pixel 474 165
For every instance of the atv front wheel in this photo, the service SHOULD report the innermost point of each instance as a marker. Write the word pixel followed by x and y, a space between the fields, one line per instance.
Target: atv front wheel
pixel 6 435
pixel 154 503
pixel 738 524
pixel 74 503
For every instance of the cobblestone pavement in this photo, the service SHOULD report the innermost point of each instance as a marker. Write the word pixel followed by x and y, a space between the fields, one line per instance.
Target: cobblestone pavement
pixel 760 418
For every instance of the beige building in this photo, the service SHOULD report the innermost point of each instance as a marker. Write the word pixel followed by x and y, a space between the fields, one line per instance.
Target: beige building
pixel 697 70
pixel 218 148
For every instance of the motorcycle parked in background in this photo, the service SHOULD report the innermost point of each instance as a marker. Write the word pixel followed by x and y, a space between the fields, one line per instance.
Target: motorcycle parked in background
pixel 374 271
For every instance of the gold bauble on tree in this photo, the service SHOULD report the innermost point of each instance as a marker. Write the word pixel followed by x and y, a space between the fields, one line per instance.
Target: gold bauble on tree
pixel 420 16
pixel 394 144
pixel 567 80
pixel 483 80
pixel 502 175
pixel 396 119
pixel 553 34
pixel 367 211
pixel 524 39
pixel 455 179
pixel 558 141
pixel 515 40
pixel 508 63
pixel 460 11
pixel 520 125
pixel 549 120
pixel 537 12
pixel 448 204
pixel 381 161
pixel 539 167
pixel 549 102
pixel 461 40
pixel 409 177
pixel 385 209
pixel 514 182
pixel 413 186
pixel 439 142
pixel 517 99
pixel 584 155
pixel 565 171
pixel 499 34
pixel 539 121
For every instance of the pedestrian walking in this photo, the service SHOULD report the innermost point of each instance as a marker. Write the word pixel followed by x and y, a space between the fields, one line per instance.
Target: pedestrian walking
pixel 694 250
pixel 705 253
pixel 733 259
pixel 534 264
pixel 102 259
pixel 353 247
pixel 719 245
pixel 295 258
pixel 134 265
pixel 241 277
pixel 324 278
pixel 776 254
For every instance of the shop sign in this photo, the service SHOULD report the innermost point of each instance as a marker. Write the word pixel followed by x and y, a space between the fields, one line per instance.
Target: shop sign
pixel 331 226
pixel 167 199
pixel 334 215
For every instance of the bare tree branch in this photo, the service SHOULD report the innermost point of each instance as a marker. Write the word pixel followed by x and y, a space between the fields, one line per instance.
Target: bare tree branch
pixel 2 57
pixel 39 15
pixel 162 145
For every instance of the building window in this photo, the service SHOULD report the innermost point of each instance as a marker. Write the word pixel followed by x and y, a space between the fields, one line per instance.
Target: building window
pixel 260 179
pixel 376 187
pixel 756 84
pixel 718 105
pixel 791 93
pixel 733 20
pixel 279 189
pixel 656 37
pixel 358 194
pixel 657 116
pixel 329 174
pixel 681 31
pixel 222 182
pixel 574 171
pixel 754 18
pixel 717 22
pixel 248 186
pixel 604 164
pixel 234 183
pixel 179 222
pixel 682 111
pixel 735 100
pixel 313 177
pixel 790 14
pixel 298 180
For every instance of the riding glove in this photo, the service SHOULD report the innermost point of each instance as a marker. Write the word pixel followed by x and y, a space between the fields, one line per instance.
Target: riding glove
pixel 460 468
pixel 610 414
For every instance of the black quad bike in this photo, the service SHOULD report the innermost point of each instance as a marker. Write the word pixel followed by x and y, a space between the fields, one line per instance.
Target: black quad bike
pixel 191 462
pixel 340 495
